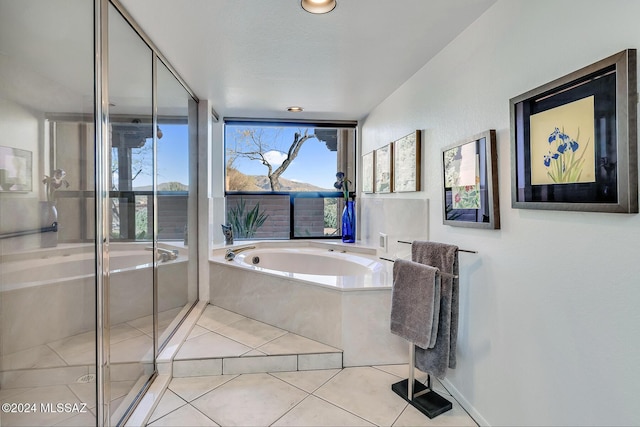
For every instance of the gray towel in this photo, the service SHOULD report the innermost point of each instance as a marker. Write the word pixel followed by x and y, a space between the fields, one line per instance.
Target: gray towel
pixel 415 302
pixel 444 257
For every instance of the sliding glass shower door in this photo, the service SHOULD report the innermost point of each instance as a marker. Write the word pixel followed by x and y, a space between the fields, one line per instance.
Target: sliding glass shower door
pixel 98 238
pixel 131 250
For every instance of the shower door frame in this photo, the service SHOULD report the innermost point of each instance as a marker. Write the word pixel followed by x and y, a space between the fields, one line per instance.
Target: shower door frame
pixel 102 200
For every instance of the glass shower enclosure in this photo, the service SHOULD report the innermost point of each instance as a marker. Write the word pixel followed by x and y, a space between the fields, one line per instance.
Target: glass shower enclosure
pixel 98 238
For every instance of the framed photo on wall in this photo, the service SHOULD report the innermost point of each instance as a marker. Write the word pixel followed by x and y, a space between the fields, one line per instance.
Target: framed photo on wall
pixel 574 140
pixel 368 171
pixel 470 193
pixel 383 169
pixel 406 163
pixel 15 170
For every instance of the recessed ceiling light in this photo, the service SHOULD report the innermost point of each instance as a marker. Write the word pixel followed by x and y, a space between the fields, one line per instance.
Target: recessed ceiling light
pixel 294 109
pixel 318 6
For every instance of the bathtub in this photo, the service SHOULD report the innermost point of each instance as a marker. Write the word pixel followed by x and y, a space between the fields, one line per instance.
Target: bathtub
pixel 337 294
pixel 322 265
pixel 49 294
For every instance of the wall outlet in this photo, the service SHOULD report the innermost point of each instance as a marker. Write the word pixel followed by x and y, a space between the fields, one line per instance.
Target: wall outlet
pixel 383 241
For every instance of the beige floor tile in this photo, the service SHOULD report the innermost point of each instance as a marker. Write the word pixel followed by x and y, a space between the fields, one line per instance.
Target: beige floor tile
pixel 308 381
pixel 132 350
pixel 366 392
pixel 197 331
pixel 86 393
pixel 81 343
pixel 251 332
pixel 249 400
pixel 187 416
pixel 35 357
pixel 316 412
pixel 87 419
pixel 457 416
pixel 38 396
pixel 197 367
pixel 210 345
pixel 214 318
pixel 295 344
pixel 190 388
pixel 168 403
pixel 257 364
pixel 80 349
pixel 6 393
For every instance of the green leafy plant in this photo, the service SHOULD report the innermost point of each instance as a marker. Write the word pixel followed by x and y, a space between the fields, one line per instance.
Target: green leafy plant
pixel 245 224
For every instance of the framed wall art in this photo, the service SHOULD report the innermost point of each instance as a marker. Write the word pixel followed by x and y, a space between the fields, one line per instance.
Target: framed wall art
pixel 406 163
pixel 368 172
pixel 383 169
pixel 15 170
pixel 574 140
pixel 470 193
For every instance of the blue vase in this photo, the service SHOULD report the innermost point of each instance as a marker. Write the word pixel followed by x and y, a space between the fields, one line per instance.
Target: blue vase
pixel 349 223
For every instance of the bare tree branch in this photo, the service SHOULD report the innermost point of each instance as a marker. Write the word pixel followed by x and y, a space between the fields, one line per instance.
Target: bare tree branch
pixel 256 148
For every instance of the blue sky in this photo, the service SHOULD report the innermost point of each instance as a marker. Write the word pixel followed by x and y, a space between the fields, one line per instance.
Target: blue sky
pixel 173 157
pixel 315 164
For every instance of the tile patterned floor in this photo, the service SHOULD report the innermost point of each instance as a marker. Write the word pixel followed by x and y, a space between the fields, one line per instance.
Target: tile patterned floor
pixel 49 373
pixel 359 396
pixel 223 342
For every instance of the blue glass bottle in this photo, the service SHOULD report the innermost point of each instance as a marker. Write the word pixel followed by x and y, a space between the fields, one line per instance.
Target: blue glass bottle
pixel 349 223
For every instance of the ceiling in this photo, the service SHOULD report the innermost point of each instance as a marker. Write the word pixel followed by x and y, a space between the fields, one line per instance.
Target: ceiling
pixel 255 58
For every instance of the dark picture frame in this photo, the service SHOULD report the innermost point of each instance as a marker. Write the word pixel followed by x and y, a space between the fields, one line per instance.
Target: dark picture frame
pixel 470 183
pixel 574 140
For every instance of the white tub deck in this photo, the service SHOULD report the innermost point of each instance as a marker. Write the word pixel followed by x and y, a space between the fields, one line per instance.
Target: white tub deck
pixel 350 312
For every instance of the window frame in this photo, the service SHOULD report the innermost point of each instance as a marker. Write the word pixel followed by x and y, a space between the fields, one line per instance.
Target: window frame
pixel 326 124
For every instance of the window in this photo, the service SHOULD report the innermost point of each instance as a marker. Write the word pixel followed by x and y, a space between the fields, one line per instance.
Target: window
pixel 132 180
pixel 279 178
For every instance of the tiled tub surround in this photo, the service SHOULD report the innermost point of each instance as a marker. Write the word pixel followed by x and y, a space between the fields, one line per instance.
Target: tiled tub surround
pixel 349 312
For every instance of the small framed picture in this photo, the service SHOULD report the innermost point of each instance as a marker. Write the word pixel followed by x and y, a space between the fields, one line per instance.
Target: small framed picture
pixel 383 169
pixel 368 171
pixel 470 193
pixel 406 163
pixel 15 170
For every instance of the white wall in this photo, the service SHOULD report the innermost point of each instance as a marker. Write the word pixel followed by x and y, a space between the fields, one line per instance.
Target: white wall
pixel 549 306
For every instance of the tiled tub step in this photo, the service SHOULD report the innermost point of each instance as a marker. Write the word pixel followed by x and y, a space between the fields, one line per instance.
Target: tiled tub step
pixel 223 342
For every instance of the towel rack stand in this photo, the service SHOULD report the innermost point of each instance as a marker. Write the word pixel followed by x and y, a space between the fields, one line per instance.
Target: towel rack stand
pixel 459 250
pixel 420 396
pixel 442 273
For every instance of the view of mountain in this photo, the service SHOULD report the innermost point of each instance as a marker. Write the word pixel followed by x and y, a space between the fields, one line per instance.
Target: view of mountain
pixel 164 186
pixel 262 182
pixel 237 181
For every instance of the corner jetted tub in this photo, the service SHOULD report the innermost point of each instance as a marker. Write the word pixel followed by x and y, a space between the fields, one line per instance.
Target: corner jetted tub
pixel 338 294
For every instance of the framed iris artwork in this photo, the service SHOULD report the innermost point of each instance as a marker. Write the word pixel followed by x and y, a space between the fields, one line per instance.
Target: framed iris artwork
pixel 574 140
pixel 406 163
pixel 470 194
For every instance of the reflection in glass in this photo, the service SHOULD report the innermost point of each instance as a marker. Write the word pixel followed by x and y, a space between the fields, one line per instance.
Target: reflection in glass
pixel 176 200
pixel 47 280
pixel 131 264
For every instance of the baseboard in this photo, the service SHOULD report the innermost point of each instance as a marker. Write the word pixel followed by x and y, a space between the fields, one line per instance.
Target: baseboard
pixel 465 403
